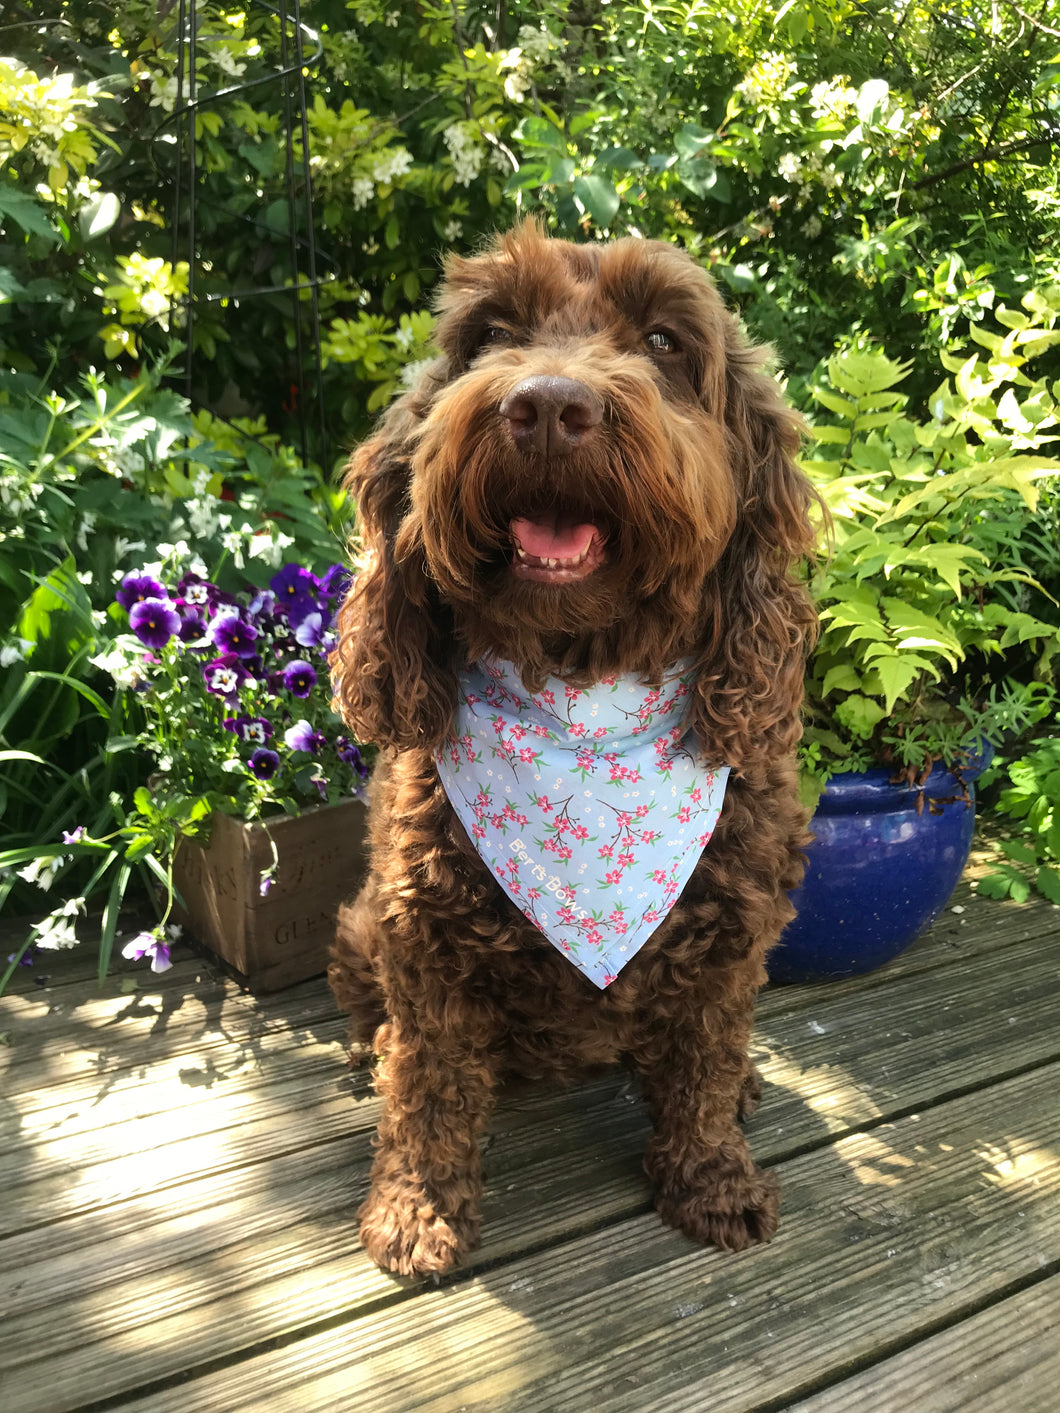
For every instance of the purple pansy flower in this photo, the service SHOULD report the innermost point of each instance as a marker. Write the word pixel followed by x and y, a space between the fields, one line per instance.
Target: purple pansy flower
pixel 336 582
pixel 249 728
pixel 224 676
pixel 299 677
pixel 264 763
pixel 293 585
pixel 195 590
pixel 311 632
pixel 302 737
pixel 192 622
pixel 154 621
pixel 135 588
pixel 262 604
pixel 148 944
pixel 348 753
pixel 231 634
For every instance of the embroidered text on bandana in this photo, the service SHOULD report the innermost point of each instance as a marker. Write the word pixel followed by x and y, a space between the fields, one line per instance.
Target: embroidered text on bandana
pixel 590 807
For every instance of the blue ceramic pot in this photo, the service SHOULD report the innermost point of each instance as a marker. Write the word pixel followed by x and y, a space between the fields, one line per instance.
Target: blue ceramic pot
pixel 878 872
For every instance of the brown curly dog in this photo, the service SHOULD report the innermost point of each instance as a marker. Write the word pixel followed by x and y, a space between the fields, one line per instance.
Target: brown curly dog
pixel 602 394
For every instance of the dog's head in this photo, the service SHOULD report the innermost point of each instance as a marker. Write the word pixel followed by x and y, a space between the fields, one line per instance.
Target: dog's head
pixel 595 476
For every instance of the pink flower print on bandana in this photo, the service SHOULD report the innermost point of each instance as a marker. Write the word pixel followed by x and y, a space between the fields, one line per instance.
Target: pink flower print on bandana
pixel 590 807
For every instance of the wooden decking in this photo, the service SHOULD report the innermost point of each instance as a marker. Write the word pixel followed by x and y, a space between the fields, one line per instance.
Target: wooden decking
pixel 180 1166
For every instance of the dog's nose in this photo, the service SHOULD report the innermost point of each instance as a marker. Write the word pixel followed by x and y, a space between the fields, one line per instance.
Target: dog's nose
pixel 551 415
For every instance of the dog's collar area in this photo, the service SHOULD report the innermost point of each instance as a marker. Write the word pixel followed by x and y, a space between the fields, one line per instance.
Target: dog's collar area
pixel 590 806
pixel 556 549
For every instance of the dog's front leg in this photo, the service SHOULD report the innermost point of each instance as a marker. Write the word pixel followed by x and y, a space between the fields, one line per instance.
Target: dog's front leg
pixel 422 1213
pixel 694 1066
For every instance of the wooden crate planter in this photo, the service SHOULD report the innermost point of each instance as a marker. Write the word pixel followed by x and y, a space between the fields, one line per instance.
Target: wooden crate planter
pixel 272 941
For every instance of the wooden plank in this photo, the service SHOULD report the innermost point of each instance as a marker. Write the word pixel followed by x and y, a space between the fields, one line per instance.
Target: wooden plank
pixel 557 1165
pixel 930 1036
pixel 887 1234
pixel 155 1086
pixel 96 1035
pixel 1005 1359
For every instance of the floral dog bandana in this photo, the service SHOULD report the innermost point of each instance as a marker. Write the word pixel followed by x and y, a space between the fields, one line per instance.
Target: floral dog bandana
pixel 589 806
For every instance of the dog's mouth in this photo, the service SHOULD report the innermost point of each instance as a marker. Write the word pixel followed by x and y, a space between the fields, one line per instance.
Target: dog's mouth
pixel 556 548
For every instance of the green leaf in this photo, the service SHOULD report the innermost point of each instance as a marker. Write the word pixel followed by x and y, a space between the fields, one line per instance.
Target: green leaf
pixel 843 677
pixel 699 174
pixel 277 217
pixel 897 674
pixel 27 212
pixel 691 139
pixel 599 198
pixel 859 714
pixel 841 406
pixel 98 215
pixel 110 917
pixel 621 159
pixel 539 132
pixel 811 788
pixel 995 885
pixel 871 96
pixel 1048 883
pixel 1020 853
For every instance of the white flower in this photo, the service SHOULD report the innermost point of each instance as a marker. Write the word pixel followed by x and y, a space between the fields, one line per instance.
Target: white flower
pixel 163 95
pixel 202 517
pixel 404 337
pixel 466 153
pixel 55 933
pixel 200 481
pixel 812 228
pixel 154 303
pixel 788 166
pixel 88 521
pixel 14 652
pixel 125 672
pixel 395 162
pixel 392 17
pixel 226 61
pixel 536 43
pixel 362 192
pixel 453 230
pixel 42 871
pixel 123 547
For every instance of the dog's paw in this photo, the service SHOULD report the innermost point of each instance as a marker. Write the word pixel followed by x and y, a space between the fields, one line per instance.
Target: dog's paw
pixel 750 1094
pixel 730 1210
pixel 409 1238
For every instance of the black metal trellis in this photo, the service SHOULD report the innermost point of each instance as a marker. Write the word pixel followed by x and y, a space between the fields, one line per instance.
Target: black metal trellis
pixel 291 74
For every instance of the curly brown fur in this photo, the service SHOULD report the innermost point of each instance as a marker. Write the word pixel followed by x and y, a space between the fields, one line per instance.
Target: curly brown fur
pixel 683 460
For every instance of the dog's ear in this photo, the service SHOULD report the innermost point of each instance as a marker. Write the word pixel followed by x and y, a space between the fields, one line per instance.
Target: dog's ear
pixel 761 621
pixel 392 671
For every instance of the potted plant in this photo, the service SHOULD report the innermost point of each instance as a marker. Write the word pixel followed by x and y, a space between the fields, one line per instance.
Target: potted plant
pixel 931 637
pixel 251 822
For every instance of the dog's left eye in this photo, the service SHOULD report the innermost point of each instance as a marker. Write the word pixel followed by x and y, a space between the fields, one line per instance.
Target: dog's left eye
pixel 659 341
pixel 494 335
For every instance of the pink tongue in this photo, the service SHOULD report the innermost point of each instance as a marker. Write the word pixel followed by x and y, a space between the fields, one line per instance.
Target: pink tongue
pixel 547 539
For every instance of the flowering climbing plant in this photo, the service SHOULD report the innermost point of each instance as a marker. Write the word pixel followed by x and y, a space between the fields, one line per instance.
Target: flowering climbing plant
pixel 227 696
